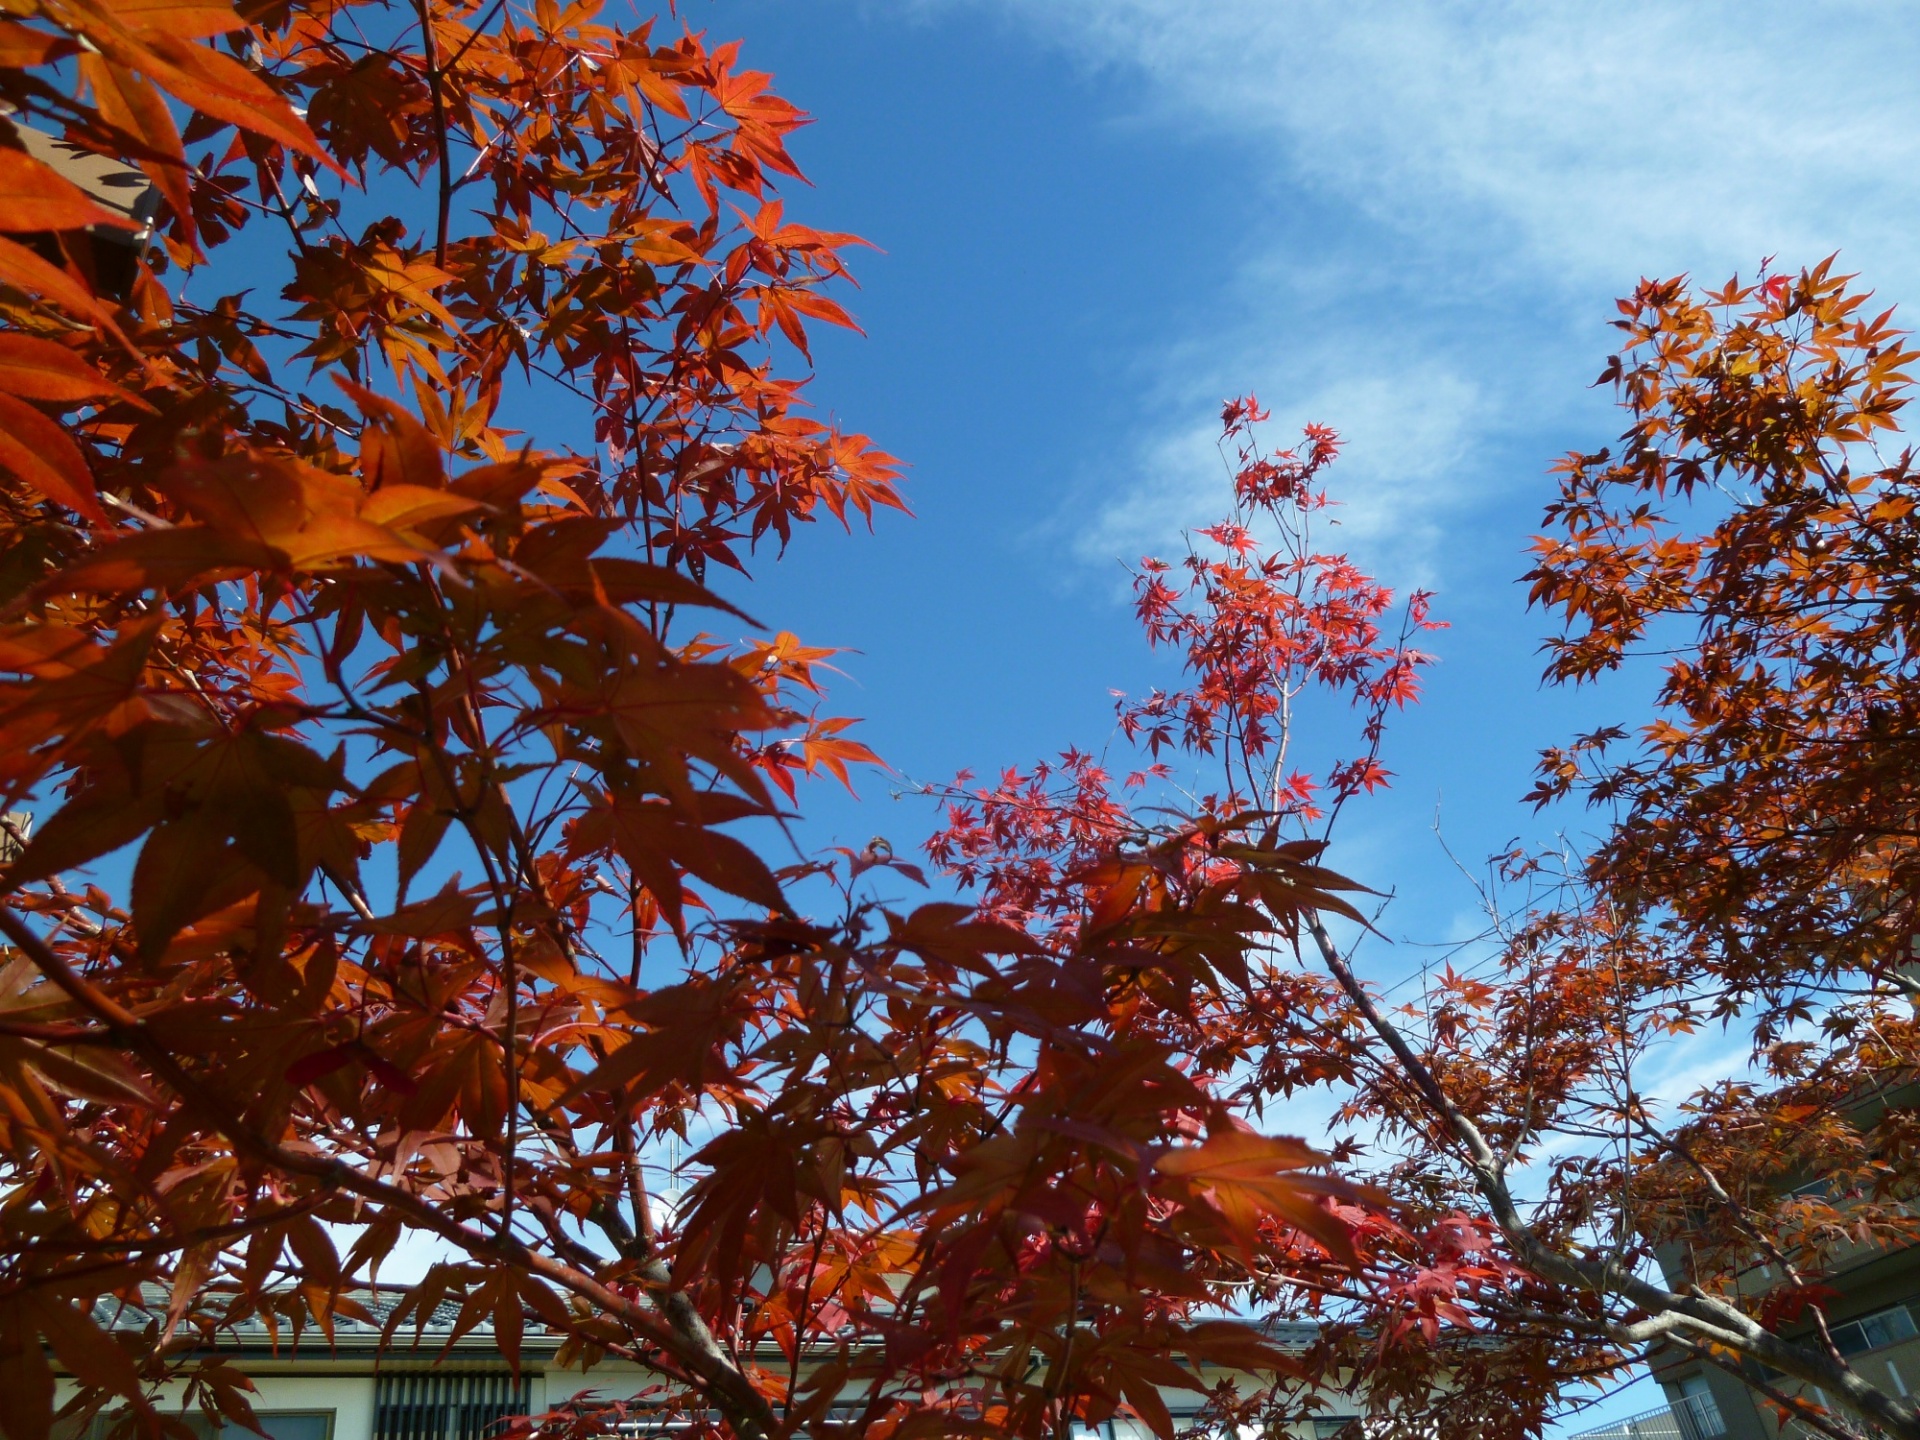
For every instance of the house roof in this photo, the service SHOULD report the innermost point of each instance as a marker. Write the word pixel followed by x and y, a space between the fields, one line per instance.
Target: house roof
pixel 110 183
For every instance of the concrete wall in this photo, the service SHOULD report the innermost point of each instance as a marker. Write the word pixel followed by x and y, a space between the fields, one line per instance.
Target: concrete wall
pixel 346 1387
pixel 348 1396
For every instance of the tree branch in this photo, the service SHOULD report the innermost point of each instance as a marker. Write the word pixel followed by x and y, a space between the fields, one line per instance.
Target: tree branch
pixel 1701 1315
pixel 706 1365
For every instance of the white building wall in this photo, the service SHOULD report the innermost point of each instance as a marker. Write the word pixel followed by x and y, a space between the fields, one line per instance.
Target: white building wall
pixel 349 1397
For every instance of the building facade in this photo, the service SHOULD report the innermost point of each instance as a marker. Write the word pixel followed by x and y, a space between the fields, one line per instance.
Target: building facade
pixel 1873 1315
pixel 440 1388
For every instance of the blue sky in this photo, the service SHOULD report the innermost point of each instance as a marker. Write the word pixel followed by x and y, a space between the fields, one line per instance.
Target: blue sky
pixel 1099 217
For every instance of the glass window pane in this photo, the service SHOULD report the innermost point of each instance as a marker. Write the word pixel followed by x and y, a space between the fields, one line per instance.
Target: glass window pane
pixel 1887 1327
pixel 311 1425
pixel 279 1425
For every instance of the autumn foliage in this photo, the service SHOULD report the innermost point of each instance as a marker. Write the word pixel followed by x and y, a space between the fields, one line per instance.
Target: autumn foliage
pixel 1748 549
pixel 1753 535
pixel 390 791
pixel 393 865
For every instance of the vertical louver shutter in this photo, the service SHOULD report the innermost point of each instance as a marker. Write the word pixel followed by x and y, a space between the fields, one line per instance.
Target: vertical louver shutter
pixel 445 1404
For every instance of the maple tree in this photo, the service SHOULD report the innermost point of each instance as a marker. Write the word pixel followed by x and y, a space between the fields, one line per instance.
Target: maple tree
pixel 1553 1219
pixel 1419 1312
pixel 382 752
pixel 311 617
pixel 1751 539
pixel 1759 868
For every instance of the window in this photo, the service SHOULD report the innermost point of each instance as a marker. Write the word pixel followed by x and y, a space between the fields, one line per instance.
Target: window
pixel 1698 1415
pixel 445 1404
pixel 1871 1332
pixel 279 1425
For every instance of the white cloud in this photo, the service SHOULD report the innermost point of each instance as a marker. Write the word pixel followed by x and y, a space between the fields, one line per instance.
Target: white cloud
pixel 1406 430
pixel 1603 135
pixel 1506 170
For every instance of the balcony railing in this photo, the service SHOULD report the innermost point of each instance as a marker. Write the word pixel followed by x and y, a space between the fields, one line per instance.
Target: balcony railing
pixel 1692 1417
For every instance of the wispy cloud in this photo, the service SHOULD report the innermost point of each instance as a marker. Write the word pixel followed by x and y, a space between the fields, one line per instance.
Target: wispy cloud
pixel 1594 136
pixel 1497 172
pixel 1407 428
